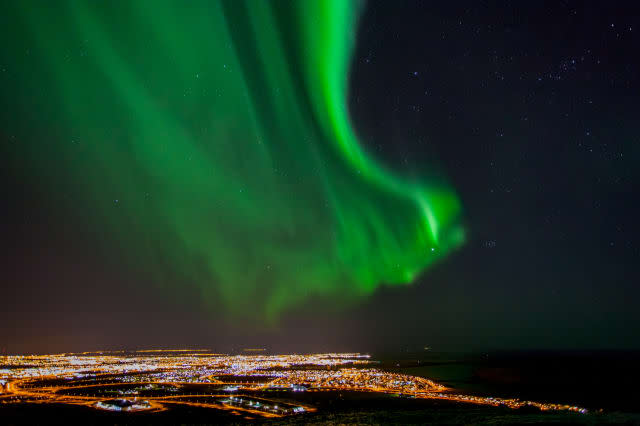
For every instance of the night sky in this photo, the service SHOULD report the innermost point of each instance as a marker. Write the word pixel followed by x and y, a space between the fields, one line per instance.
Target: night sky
pixel 319 176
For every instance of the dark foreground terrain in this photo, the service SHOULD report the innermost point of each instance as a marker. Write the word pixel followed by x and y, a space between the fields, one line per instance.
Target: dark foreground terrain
pixel 343 411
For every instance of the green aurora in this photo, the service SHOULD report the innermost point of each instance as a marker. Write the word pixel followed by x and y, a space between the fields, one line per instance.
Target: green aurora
pixel 210 142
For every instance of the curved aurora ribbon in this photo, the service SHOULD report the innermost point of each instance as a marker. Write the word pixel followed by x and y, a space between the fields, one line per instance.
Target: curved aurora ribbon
pixel 212 139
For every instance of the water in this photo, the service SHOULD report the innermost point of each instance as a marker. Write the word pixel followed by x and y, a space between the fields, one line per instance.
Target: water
pixel 596 380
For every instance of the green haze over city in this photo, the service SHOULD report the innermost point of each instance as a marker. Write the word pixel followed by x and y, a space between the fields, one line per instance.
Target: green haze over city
pixel 210 142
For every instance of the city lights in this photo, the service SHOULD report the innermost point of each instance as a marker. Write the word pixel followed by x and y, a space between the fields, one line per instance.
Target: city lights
pixel 253 385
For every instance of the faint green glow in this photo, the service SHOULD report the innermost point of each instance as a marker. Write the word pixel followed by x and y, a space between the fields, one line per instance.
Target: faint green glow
pixel 223 131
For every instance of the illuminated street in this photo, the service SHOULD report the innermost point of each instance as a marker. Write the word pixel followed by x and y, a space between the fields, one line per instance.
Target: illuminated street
pixel 252 386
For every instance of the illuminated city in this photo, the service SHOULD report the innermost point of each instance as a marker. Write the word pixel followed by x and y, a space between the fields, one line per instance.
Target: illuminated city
pixel 251 386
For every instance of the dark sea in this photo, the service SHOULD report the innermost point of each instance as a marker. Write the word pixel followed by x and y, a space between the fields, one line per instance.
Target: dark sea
pixel 604 382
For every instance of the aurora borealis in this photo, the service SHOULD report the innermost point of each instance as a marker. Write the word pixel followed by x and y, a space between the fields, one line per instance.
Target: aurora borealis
pixel 211 142
pixel 319 176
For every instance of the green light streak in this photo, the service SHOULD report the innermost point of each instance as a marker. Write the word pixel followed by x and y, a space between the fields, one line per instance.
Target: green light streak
pixel 223 131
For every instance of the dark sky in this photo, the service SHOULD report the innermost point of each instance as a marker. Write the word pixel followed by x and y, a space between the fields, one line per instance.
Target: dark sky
pixel 531 110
